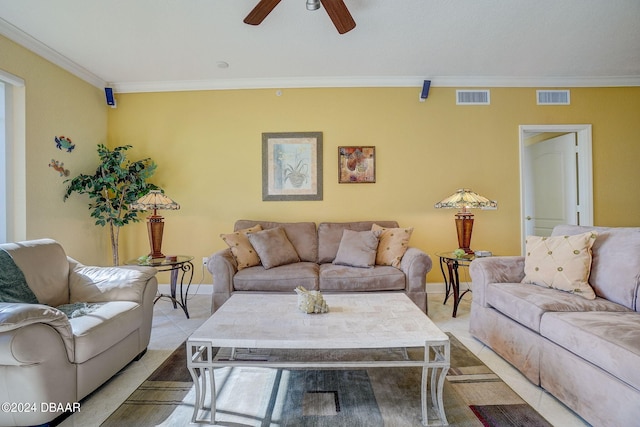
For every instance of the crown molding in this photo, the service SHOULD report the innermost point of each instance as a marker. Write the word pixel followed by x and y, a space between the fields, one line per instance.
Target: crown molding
pixel 15 34
pixel 25 40
pixel 374 81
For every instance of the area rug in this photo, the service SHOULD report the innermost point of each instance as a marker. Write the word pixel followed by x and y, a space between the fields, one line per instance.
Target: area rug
pixel 254 396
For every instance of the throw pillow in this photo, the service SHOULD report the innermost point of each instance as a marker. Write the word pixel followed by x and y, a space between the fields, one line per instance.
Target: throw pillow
pixel 394 242
pixel 13 284
pixel 560 262
pixel 357 248
pixel 241 248
pixel 273 247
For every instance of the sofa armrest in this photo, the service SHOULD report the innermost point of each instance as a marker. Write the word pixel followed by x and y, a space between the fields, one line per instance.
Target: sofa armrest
pixel 500 269
pixel 104 284
pixel 223 266
pixel 14 317
pixel 415 264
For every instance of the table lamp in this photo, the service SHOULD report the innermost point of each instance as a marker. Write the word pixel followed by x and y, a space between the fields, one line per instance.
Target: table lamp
pixel 465 199
pixel 155 200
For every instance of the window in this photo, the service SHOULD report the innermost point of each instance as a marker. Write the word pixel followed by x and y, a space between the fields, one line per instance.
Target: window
pixel 12 159
pixel 3 165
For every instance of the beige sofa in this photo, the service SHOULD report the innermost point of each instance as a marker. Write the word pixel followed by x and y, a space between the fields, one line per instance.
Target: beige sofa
pixel 316 267
pixel 50 360
pixel 586 352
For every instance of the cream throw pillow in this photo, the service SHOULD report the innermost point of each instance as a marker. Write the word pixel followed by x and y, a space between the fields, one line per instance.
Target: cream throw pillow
pixel 560 262
pixel 241 247
pixel 394 242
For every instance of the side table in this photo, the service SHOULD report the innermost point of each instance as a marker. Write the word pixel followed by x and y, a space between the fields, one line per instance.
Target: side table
pixel 452 277
pixel 181 263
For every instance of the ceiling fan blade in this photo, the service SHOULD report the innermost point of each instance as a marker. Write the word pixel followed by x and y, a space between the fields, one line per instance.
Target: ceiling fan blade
pixel 339 14
pixel 262 9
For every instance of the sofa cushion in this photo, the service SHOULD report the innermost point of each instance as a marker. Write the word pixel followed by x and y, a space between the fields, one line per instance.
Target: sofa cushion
pixel 330 235
pixel 393 244
pixel 357 249
pixel 284 278
pixel 560 262
pixel 104 284
pixel 45 267
pixel 526 303
pixel 615 269
pixel 98 331
pixel 610 341
pixel 343 278
pixel 302 235
pixel 273 247
pixel 241 247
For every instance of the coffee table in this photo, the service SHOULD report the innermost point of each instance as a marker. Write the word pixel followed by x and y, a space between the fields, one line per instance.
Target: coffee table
pixel 362 321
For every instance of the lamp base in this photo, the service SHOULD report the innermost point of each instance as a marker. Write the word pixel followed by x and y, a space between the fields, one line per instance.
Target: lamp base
pixel 464 227
pixel 155 227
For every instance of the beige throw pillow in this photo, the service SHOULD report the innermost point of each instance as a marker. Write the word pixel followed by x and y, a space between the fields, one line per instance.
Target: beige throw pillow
pixel 273 247
pixel 394 242
pixel 241 248
pixel 357 249
pixel 560 262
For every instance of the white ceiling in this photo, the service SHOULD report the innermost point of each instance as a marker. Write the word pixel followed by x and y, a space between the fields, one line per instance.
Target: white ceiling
pixel 155 45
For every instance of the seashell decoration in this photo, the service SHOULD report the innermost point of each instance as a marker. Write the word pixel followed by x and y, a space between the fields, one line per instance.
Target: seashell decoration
pixel 311 301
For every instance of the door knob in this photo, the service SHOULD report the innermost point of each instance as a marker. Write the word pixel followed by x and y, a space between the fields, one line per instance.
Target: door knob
pixel 528 218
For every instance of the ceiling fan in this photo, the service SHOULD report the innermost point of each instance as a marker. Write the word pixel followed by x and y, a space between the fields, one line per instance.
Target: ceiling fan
pixel 336 9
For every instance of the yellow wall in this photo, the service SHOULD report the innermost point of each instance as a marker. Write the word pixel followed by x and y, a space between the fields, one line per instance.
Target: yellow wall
pixel 208 148
pixel 58 103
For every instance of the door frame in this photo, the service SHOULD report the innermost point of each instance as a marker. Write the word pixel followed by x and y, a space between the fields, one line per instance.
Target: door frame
pixel 585 169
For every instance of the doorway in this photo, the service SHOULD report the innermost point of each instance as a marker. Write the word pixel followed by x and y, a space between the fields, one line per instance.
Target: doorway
pixel 555 177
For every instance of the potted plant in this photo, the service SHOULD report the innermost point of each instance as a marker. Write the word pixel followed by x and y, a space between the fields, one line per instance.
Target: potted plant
pixel 116 183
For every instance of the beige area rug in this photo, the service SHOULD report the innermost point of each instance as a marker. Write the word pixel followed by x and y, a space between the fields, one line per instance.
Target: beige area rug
pixel 253 396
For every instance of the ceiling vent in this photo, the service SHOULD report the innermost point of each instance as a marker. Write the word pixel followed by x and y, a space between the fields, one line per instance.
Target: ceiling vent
pixel 553 97
pixel 473 97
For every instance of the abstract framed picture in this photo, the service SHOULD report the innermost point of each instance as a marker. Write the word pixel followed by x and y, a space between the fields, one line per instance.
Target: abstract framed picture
pixel 356 165
pixel 292 166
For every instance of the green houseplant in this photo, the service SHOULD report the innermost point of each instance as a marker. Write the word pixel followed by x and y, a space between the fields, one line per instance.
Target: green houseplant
pixel 116 183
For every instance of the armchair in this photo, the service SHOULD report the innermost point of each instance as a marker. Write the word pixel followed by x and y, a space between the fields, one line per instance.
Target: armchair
pixel 65 328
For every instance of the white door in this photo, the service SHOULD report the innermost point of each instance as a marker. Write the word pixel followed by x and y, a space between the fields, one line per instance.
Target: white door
pixel 551 183
pixel 562 188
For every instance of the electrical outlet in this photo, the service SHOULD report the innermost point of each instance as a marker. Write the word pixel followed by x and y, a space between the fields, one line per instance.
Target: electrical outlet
pixel 204 260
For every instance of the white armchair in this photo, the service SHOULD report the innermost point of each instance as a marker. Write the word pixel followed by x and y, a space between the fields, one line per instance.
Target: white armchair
pixel 50 360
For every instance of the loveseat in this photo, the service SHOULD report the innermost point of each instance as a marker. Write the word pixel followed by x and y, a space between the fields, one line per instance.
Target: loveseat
pixel 584 351
pixel 332 257
pixel 51 358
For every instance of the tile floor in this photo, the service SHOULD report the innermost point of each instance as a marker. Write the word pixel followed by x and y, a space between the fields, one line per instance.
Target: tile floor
pixel 171 328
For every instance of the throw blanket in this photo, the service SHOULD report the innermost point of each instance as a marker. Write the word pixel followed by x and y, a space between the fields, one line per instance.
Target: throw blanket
pixel 78 309
pixel 13 285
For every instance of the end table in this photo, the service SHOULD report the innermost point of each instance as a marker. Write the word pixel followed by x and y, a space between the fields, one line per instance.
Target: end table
pixel 451 276
pixel 181 263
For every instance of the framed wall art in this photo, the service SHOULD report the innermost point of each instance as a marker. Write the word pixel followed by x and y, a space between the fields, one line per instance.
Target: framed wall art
pixel 356 165
pixel 292 166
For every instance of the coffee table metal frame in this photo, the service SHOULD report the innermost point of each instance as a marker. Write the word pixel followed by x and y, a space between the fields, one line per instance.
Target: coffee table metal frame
pixel 437 356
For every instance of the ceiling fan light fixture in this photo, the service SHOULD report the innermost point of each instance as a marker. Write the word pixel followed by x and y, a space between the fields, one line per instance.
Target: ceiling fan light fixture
pixel 313 4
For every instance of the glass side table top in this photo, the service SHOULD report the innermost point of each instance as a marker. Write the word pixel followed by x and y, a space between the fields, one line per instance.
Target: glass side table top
pixel 161 262
pixel 451 256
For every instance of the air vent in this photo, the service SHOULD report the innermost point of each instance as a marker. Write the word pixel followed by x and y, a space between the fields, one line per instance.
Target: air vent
pixel 553 97
pixel 473 97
